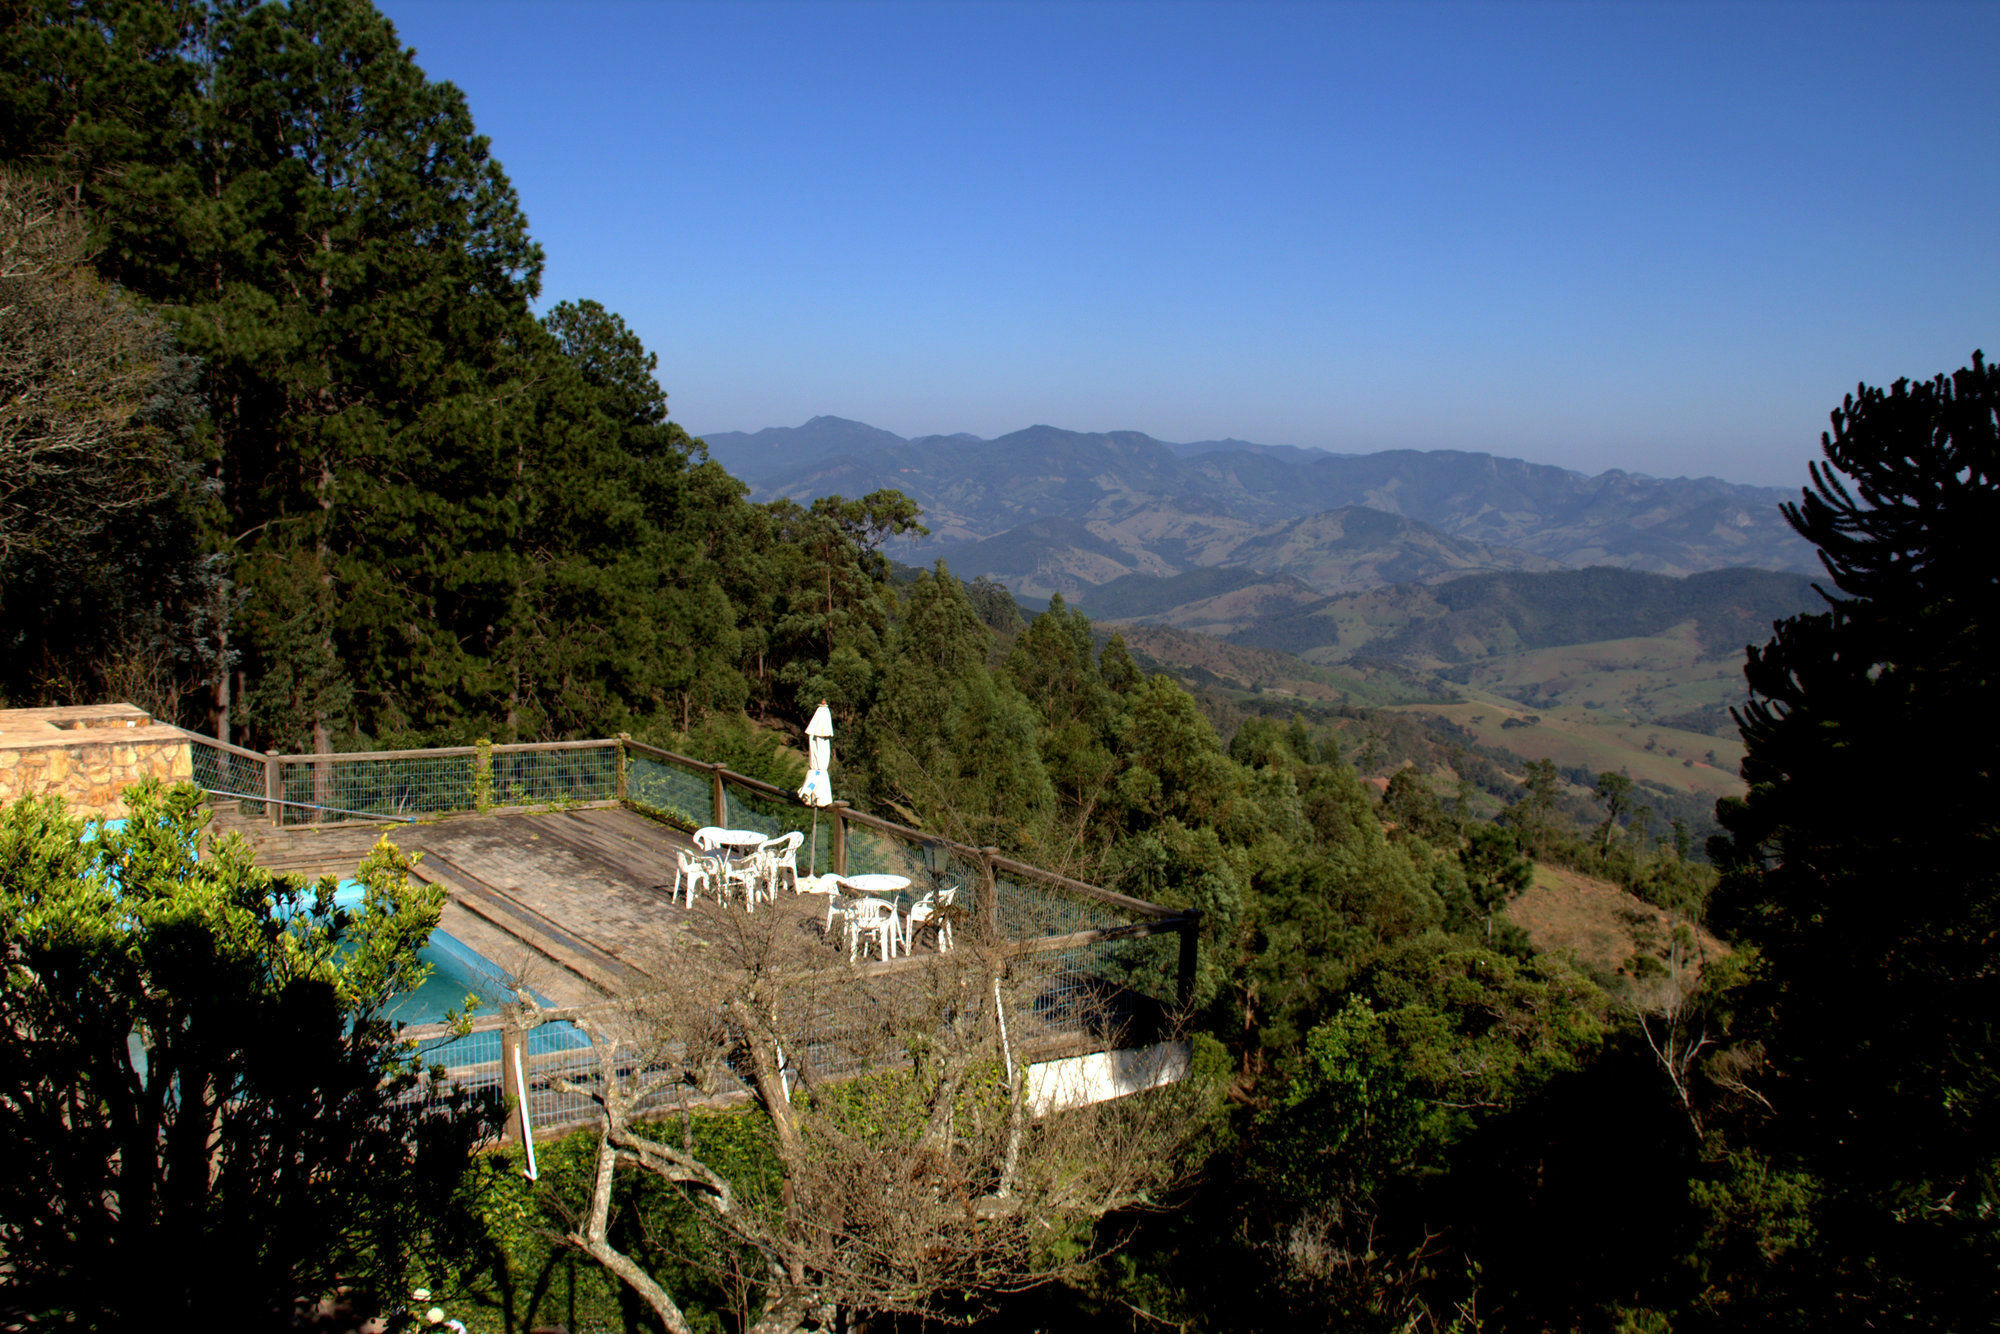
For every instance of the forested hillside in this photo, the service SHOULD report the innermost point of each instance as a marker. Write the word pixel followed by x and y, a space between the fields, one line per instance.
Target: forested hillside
pixel 383 502
pixel 286 453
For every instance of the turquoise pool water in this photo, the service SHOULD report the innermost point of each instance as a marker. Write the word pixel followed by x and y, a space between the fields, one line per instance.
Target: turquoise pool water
pixel 459 971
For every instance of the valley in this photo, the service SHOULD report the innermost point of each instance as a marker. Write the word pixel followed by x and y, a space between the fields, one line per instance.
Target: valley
pixel 1594 669
pixel 1527 611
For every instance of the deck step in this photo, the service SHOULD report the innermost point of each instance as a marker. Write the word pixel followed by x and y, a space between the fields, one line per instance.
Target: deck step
pixel 534 929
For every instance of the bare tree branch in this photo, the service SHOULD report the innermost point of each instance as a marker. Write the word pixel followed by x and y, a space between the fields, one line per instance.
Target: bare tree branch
pixel 79 363
pixel 911 1177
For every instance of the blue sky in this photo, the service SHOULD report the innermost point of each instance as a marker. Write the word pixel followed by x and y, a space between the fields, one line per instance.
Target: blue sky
pixel 1664 238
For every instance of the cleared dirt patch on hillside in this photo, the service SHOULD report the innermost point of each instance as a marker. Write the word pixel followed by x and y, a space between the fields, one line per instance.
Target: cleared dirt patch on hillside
pixel 1601 923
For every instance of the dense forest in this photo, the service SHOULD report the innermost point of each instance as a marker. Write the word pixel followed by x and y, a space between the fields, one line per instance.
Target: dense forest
pixel 287 455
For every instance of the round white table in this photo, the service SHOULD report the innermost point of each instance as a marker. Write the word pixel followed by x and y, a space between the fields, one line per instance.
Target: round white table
pixel 732 844
pixel 738 839
pixel 877 884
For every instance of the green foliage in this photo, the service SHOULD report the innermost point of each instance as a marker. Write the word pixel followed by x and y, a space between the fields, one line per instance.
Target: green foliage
pixel 1174 764
pixel 1495 874
pixel 950 742
pixel 202 1098
pixel 736 742
pixel 1179 867
pixel 1053 665
pixel 996 608
pixel 616 609
pixel 1414 807
pixel 1433 1042
pixel 411 512
pixel 813 578
pixel 1756 1223
pixel 527 1275
pixel 1615 791
pixel 1534 813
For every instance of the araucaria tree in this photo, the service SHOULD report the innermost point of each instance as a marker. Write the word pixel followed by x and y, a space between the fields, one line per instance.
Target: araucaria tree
pixel 201 1098
pixel 1862 866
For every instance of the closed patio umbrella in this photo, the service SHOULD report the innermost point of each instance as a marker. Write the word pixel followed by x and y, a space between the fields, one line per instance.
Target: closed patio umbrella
pixel 818 789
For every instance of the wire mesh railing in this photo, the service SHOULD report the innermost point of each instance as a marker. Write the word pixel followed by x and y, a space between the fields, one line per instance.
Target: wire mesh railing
pixel 555 774
pixel 235 775
pixel 319 789
pixel 748 804
pixel 673 791
pixel 402 785
pixel 836 1027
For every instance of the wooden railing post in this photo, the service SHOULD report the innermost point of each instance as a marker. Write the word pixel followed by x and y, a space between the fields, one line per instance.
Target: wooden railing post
pixel 623 737
pixel 989 893
pixel 482 775
pixel 514 1047
pixel 720 798
pixel 1190 952
pixel 839 809
pixel 274 789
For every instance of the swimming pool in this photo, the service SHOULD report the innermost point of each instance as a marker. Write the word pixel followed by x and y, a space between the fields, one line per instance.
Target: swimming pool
pixel 459 971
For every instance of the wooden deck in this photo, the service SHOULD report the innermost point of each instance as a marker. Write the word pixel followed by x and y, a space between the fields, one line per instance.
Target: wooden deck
pixel 573 902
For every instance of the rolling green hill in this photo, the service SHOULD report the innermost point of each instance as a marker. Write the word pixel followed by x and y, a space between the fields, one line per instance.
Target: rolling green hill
pixel 1484 615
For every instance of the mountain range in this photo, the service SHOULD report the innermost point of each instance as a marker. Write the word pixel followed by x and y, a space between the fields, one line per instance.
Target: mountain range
pixel 1047 510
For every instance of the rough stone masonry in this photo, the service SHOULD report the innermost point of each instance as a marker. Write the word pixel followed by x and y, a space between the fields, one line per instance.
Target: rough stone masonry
pixel 88 755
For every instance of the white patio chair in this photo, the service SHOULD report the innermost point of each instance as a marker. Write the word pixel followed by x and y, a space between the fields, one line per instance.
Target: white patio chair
pixel 784 854
pixel 692 870
pixel 874 920
pixel 705 837
pixel 828 885
pixel 747 874
pixel 926 912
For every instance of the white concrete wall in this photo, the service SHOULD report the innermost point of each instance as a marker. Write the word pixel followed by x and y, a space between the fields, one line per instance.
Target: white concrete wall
pixel 1078 1081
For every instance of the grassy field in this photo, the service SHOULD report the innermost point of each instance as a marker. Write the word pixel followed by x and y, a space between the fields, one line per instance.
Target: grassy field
pixel 1667 757
pixel 1657 677
pixel 1201 659
pixel 1593 706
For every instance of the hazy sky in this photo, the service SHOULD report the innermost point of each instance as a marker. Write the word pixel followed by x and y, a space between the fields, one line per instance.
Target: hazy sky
pixel 1665 238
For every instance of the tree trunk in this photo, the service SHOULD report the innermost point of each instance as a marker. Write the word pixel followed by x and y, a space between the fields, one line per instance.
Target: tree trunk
pixel 223 703
pixel 594 1241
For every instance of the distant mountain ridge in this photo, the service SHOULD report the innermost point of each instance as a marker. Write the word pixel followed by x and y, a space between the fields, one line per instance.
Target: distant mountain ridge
pixel 1050 510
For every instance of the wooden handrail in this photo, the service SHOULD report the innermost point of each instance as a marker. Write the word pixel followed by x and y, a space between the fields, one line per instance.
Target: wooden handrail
pixel 224 746
pixel 1110 896
pixel 347 756
pixel 1097 935
pixel 909 835
pixel 518 747
pixel 670 756
pixel 759 785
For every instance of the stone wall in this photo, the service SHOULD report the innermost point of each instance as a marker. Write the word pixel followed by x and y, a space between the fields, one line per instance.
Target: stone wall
pixel 88 756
